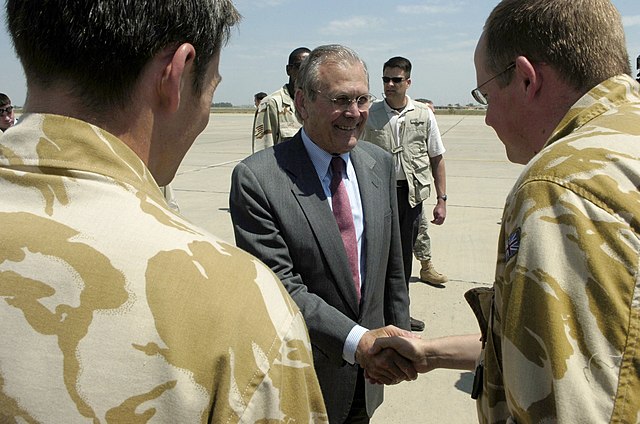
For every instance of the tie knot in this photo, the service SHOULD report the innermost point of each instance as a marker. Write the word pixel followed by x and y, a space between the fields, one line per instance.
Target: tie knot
pixel 337 165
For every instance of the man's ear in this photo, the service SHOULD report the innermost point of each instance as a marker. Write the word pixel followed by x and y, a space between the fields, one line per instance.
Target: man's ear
pixel 528 76
pixel 176 72
pixel 300 101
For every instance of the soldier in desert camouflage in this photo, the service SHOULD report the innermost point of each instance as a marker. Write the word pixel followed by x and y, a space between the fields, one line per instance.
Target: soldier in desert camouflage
pixel 113 308
pixel 560 329
pixel 275 120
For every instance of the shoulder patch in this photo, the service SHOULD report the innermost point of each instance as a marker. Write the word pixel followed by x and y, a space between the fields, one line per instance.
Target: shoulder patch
pixel 512 244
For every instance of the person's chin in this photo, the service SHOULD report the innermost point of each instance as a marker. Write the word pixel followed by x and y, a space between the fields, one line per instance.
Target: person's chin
pixel 347 144
pixel 352 142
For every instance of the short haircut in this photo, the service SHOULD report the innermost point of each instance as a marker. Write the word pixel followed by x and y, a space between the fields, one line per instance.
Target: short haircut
pixel 583 40
pixel 309 76
pixel 259 96
pixel 398 62
pixel 293 56
pixel 4 99
pixel 100 47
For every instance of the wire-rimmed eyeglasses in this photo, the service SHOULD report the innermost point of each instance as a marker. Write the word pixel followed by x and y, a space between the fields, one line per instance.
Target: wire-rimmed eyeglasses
pixel 6 110
pixel 482 97
pixel 344 102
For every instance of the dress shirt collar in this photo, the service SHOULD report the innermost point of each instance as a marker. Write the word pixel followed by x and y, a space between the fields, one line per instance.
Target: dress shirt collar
pixel 321 159
pixel 391 111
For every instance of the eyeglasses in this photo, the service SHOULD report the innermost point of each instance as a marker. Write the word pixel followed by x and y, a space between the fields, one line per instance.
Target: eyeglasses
pixel 6 110
pixel 344 102
pixel 396 80
pixel 482 97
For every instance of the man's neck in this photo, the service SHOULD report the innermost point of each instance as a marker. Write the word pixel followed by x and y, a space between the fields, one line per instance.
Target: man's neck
pixel 291 89
pixel 397 104
pixel 131 126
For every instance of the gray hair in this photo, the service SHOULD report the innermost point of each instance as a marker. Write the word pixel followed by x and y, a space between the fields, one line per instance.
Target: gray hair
pixel 308 79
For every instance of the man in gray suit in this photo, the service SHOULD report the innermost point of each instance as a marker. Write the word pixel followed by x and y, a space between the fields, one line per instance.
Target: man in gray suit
pixel 284 210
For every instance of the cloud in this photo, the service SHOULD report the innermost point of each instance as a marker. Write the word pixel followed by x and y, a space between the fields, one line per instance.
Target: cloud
pixel 423 9
pixel 355 24
pixel 629 21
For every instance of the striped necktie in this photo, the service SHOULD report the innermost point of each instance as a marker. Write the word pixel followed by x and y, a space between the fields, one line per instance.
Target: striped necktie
pixel 344 217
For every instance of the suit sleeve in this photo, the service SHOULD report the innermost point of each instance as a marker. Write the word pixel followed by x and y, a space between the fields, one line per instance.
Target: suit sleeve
pixel 257 230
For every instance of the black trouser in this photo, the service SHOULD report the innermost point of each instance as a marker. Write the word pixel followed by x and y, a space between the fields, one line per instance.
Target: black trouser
pixel 358 412
pixel 408 218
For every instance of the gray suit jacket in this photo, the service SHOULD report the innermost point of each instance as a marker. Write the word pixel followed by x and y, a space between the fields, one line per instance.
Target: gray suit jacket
pixel 281 215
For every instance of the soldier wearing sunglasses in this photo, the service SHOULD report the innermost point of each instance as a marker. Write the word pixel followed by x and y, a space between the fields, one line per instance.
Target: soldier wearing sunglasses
pixel 7 115
pixel 409 131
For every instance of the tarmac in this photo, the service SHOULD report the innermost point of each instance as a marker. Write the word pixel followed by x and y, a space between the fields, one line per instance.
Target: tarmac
pixel 479 177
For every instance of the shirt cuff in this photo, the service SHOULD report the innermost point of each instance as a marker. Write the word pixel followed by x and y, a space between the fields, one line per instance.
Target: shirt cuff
pixel 351 344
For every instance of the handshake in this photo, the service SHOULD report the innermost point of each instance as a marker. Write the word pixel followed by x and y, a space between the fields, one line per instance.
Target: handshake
pixel 390 355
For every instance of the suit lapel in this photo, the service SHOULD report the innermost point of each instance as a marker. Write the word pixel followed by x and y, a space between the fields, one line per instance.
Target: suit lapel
pixel 370 185
pixel 308 191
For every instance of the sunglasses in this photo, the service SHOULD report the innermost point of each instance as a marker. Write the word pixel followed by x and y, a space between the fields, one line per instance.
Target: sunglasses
pixel 396 80
pixel 6 110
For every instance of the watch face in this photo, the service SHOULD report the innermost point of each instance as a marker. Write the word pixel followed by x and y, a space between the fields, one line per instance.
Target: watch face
pixel 443 197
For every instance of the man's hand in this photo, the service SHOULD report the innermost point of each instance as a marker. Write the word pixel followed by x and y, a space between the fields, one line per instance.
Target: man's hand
pixel 411 348
pixel 439 213
pixel 453 352
pixel 385 366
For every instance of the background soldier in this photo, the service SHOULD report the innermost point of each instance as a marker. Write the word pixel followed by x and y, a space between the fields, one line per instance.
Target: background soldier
pixel 276 118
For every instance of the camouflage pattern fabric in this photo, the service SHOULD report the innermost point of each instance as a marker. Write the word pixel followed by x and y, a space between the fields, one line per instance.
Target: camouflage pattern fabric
pixel 422 245
pixel 563 336
pixel 114 309
pixel 275 120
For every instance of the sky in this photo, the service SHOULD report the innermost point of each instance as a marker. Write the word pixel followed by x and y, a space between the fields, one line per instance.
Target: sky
pixel 438 36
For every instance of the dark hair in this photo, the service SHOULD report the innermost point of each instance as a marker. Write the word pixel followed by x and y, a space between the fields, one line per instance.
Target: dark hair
pixel 100 47
pixel 259 96
pixel 293 56
pixel 4 99
pixel 582 39
pixel 398 62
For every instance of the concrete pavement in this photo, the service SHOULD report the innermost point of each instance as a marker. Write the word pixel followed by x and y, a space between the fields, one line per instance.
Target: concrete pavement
pixel 478 179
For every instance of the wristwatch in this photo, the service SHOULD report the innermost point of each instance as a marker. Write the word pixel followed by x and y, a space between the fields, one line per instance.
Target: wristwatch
pixel 443 197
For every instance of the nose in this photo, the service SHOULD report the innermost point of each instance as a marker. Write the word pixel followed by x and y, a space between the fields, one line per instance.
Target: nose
pixel 352 109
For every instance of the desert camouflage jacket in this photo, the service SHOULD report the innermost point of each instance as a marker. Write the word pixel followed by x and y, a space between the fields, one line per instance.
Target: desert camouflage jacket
pixel 114 309
pixel 563 342
pixel 275 120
